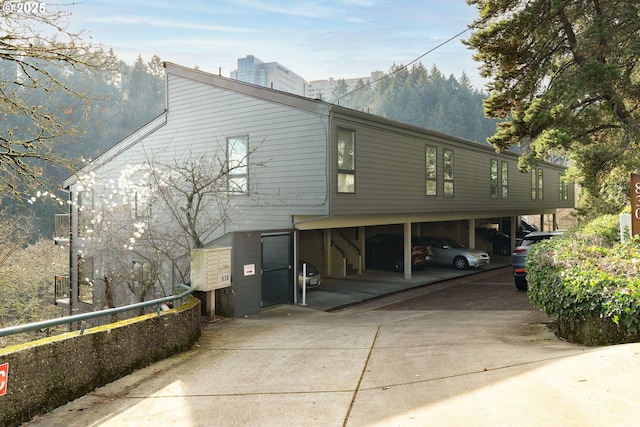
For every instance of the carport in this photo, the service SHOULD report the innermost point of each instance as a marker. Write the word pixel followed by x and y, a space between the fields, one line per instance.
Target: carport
pixel 336 293
pixel 336 243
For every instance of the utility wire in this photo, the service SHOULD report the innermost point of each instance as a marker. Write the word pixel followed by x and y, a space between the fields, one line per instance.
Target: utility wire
pixel 404 67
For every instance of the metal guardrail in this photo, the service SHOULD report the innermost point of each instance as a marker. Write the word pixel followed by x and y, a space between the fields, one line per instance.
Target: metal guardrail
pixel 92 315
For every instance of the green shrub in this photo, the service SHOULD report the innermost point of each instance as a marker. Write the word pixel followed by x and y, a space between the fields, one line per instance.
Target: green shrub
pixel 586 275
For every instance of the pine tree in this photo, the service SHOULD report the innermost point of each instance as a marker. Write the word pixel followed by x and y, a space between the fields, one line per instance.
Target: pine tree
pixel 565 80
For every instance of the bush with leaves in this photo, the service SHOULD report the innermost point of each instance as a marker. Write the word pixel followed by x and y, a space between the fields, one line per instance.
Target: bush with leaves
pixel 590 282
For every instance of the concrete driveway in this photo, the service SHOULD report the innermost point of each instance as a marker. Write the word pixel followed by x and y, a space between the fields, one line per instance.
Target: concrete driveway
pixel 465 352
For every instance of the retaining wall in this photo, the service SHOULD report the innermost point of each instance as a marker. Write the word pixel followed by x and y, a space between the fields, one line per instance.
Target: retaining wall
pixel 50 372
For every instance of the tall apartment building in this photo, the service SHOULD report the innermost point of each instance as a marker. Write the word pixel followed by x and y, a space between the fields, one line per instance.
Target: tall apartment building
pixel 268 74
pixel 275 76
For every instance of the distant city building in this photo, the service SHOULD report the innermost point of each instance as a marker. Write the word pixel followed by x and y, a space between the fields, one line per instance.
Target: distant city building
pixel 276 76
pixel 268 74
pixel 322 89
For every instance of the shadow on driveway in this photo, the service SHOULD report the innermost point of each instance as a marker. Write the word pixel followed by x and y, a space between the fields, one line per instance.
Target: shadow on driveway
pixel 491 290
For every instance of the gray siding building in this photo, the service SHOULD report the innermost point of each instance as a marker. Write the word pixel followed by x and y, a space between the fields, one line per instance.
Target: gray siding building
pixel 313 181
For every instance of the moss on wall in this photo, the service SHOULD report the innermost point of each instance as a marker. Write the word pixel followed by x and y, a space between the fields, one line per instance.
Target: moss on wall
pixel 50 372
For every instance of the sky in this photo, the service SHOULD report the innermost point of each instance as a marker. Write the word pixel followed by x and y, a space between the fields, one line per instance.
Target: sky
pixel 315 39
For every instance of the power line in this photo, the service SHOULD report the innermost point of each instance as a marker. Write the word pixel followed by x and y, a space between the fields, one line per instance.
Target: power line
pixel 404 67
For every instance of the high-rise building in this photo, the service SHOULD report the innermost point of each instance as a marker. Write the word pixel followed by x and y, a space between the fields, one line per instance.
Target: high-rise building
pixel 268 74
pixel 276 76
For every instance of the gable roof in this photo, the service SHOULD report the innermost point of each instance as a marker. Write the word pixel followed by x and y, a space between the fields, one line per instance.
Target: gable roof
pixel 315 106
pixel 267 94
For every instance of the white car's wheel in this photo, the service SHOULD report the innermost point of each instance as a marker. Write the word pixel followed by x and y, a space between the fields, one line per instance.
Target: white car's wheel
pixel 460 263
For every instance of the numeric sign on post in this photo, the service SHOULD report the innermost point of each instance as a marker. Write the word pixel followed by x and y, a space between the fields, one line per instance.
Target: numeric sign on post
pixel 4 374
pixel 635 204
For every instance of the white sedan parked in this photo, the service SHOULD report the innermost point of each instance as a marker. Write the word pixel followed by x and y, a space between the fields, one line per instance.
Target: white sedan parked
pixel 449 252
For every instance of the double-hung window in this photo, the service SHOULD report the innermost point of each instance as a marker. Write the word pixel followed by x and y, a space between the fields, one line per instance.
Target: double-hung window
pixel 237 161
pixel 142 202
pixel 85 212
pixel 563 189
pixel 431 171
pixel 504 179
pixel 448 172
pixel 537 184
pixel 85 279
pixel 499 179
pixel 494 178
pixel 346 161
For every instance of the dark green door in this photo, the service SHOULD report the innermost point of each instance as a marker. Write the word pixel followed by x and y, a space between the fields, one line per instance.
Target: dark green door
pixel 277 284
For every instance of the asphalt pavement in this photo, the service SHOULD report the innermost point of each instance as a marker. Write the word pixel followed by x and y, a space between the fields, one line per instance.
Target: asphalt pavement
pixel 470 351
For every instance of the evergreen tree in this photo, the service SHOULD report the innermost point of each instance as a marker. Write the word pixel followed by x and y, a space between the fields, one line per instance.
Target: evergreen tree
pixel 142 92
pixel 339 93
pixel 430 100
pixel 565 80
pixel 362 96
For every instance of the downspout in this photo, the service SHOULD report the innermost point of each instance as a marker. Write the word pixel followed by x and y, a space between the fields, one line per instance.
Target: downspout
pixel 328 164
pixel 328 188
pixel 328 133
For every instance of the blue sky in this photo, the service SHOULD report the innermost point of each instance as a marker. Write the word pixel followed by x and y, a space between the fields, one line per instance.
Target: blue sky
pixel 315 39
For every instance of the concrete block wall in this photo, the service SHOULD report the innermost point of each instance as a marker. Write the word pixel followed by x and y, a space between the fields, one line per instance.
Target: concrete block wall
pixel 50 372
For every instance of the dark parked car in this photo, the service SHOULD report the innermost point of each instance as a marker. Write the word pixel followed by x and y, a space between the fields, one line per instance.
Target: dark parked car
pixel 500 241
pixel 387 251
pixel 524 228
pixel 450 252
pixel 519 255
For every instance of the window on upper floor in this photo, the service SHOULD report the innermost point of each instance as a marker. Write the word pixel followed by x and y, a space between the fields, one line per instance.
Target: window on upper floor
pixel 494 178
pixel 85 212
pixel 537 180
pixel 346 161
pixel 504 177
pixel 499 178
pixel 237 163
pixel 431 171
pixel 85 279
pixel 540 185
pixel 448 172
pixel 563 188
pixel 142 202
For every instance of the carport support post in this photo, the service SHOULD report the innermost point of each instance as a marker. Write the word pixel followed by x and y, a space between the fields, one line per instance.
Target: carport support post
pixel 407 250
pixel 472 233
pixel 327 251
pixel 361 236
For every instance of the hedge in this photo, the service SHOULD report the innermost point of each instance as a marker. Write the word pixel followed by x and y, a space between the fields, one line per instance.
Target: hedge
pixel 590 282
